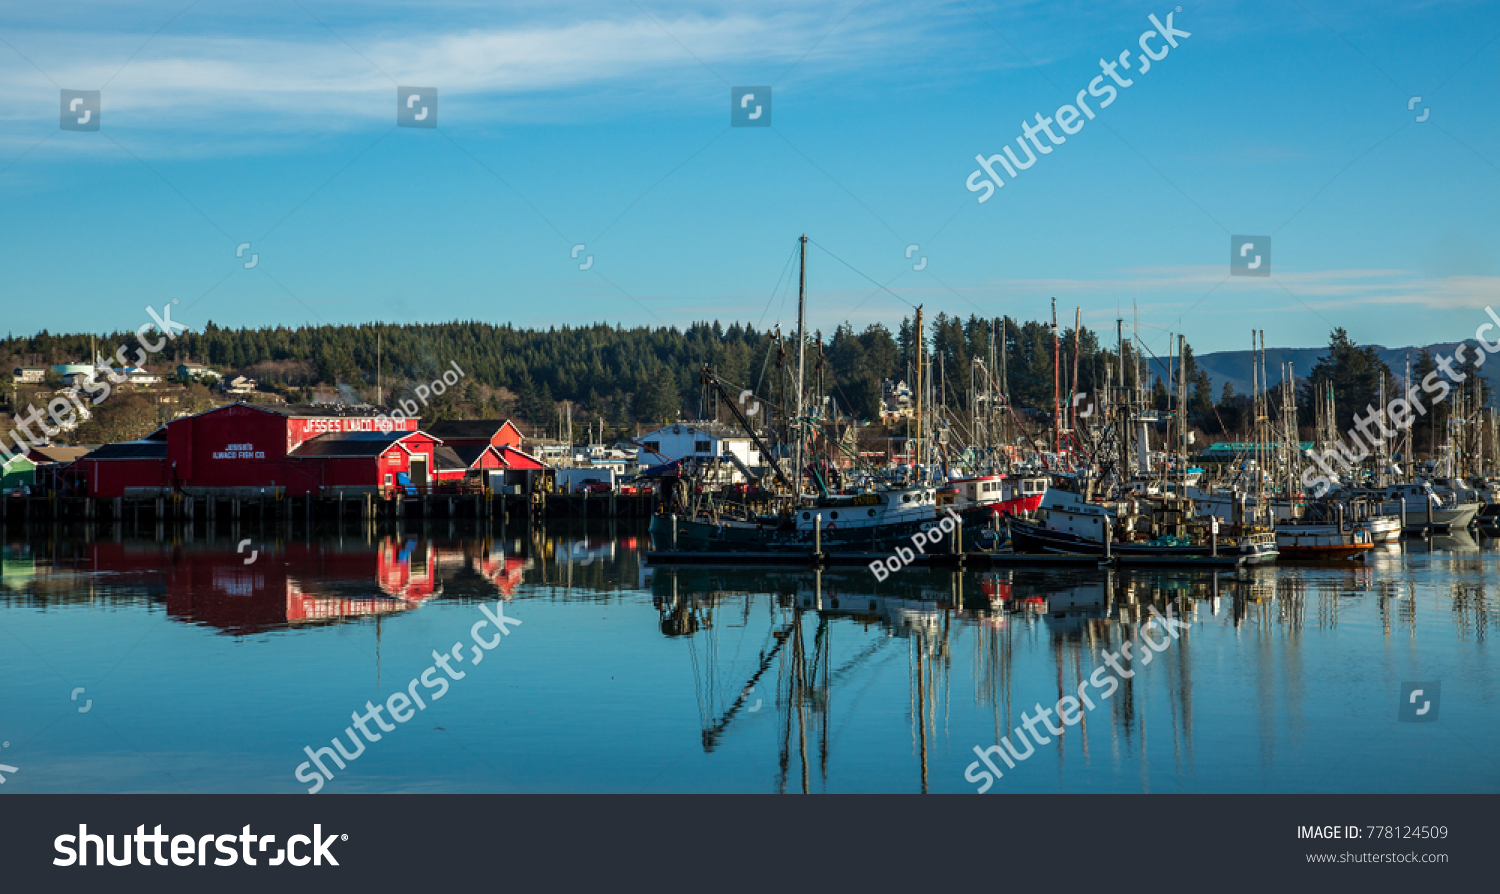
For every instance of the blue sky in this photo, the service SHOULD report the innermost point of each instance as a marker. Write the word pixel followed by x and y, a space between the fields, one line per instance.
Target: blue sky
pixel 608 125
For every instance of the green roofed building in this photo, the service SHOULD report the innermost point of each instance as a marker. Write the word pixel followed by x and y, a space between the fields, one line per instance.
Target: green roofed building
pixel 1230 449
pixel 18 471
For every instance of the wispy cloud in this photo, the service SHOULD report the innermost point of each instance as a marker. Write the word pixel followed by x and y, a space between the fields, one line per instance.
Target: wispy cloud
pixel 250 74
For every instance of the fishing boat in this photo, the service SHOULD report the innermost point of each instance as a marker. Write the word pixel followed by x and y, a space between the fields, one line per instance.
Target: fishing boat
pixel 878 517
pixel 1153 526
pixel 713 531
pixel 1382 528
pixel 882 520
pixel 1303 539
pixel 1420 505
pixel 1003 495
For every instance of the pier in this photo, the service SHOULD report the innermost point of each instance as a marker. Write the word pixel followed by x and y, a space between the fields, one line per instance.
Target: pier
pixel 967 561
pixel 270 507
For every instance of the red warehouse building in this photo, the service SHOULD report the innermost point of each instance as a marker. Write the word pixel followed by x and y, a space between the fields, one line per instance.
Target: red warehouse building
pixel 362 461
pixel 498 433
pixel 244 449
pixel 489 446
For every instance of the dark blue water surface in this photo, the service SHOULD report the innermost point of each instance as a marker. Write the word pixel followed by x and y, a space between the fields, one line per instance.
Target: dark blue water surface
pixel 202 672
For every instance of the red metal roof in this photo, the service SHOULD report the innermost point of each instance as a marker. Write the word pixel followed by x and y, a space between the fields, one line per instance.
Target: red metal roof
pixel 516 461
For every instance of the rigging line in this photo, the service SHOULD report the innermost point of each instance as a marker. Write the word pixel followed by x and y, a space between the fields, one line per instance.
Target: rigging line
pixel 29 62
pixel 861 273
pixel 787 266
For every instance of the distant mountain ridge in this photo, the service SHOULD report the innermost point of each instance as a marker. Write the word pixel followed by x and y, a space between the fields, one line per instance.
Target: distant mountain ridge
pixel 1235 366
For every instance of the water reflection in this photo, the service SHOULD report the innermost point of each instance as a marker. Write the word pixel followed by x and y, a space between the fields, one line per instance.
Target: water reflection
pixel 791 679
pixel 270 586
pixel 1080 615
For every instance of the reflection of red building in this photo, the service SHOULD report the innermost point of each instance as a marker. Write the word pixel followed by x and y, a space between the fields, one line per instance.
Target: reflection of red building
pixel 295 584
pixel 408 569
pixel 505 572
pixel 303 608
pixel 244 448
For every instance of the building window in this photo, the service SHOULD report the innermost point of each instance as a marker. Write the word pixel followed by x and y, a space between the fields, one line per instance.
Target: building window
pixel 387 479
pixel 703 447
pixel 652 446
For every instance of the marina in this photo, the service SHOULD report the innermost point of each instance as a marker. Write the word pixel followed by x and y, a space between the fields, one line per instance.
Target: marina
pixel 431 409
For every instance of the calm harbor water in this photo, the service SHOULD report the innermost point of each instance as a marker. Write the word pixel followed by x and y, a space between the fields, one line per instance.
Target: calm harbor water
pixel 135 664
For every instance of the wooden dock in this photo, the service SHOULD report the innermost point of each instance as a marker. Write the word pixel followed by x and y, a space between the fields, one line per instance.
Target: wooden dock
pixel 809 559
pixel 252 506
pixel 269 509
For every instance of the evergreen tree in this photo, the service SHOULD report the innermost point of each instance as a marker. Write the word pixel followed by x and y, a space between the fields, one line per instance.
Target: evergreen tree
pixel 658 400
pixel 1354 373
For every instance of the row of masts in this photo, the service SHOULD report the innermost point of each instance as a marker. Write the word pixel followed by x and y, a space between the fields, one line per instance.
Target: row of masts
pixel 1113 434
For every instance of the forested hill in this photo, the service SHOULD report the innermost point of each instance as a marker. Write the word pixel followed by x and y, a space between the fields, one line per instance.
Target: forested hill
pixel 609 372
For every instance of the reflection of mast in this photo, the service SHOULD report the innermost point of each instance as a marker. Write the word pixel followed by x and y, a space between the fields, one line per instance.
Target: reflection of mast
pixel 711 733
pixel 799 679
pixel 921 705
pixel 806 690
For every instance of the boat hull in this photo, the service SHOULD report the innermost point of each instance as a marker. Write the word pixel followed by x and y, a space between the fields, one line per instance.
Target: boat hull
pixel 1030 537
pixel 701 535
pixel 1322 541
pixel 698 535
pixel 1383 528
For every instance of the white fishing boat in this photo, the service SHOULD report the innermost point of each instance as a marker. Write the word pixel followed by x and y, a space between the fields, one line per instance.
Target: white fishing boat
pixel 1001 494
pixel 1420 505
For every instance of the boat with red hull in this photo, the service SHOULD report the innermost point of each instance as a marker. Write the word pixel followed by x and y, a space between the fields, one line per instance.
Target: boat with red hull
pixel 1002 495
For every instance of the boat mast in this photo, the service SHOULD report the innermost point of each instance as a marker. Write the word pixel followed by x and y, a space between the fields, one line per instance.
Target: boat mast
pixel 1254 428
pixel 1056 384
pixel 992 435
pixel 1073 391
pixel 1181 411
pixel 801 359
pixel 1004 364
pixel 921 389
pixel 1384 458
